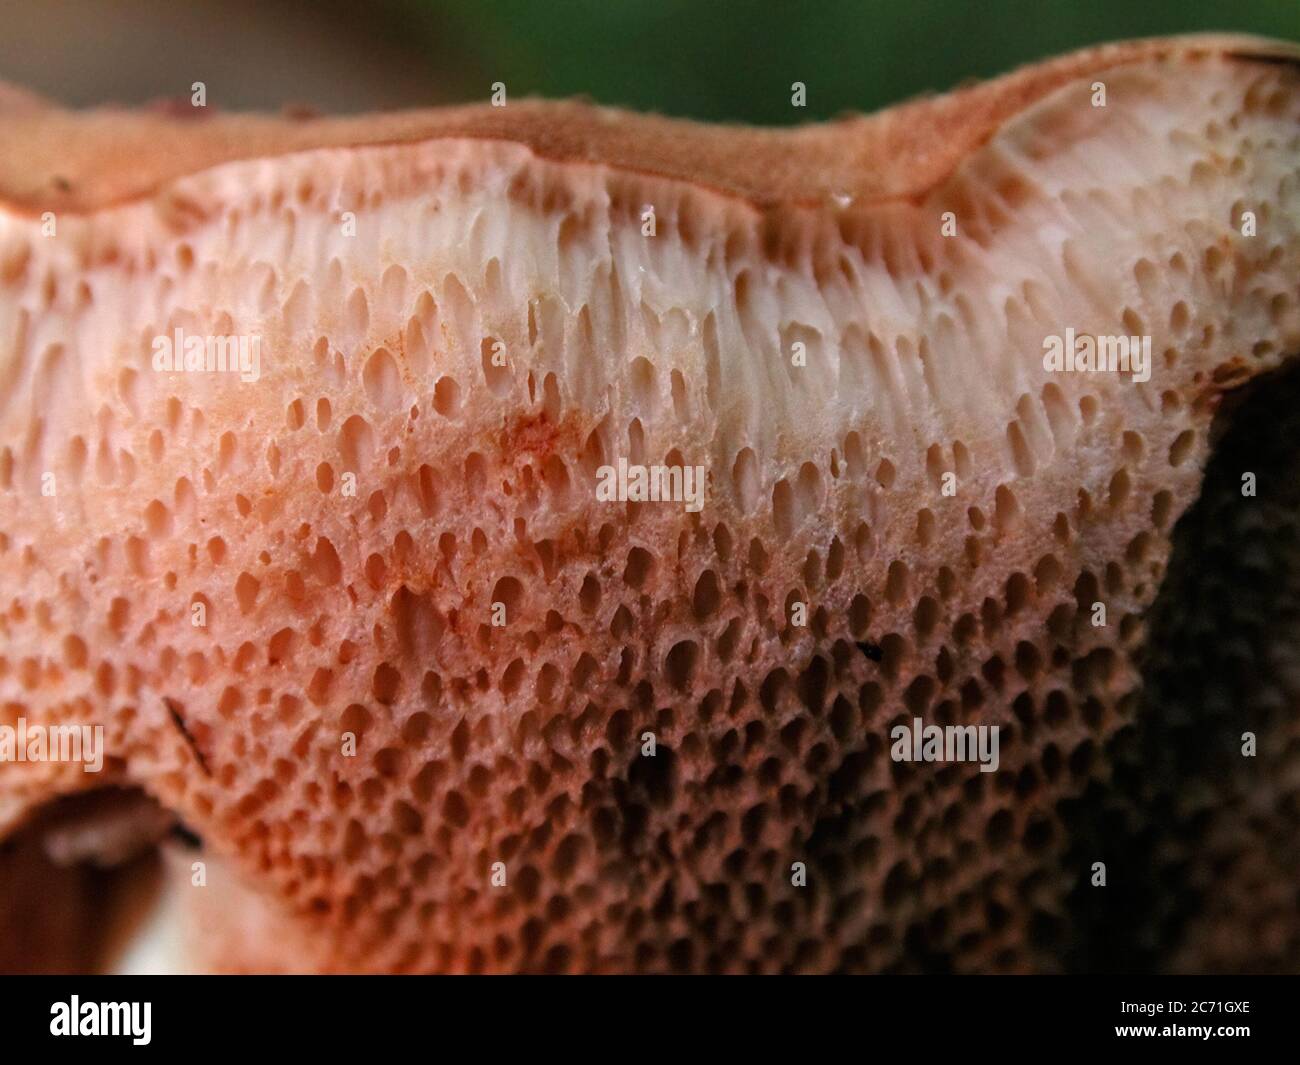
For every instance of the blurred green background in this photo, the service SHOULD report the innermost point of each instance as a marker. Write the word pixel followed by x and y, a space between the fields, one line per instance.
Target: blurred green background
pixel 735 61
pixel 711 60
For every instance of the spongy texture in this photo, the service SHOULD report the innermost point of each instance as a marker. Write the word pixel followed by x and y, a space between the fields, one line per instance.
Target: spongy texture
pixel 455 335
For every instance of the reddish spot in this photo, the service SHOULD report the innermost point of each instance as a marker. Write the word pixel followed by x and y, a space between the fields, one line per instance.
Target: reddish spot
pixel 538 437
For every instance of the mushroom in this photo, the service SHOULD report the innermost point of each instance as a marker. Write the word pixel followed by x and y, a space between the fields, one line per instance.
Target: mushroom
pixel 302 426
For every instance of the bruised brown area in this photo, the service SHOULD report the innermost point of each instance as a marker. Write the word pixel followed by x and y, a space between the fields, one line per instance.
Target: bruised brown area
pixel 78 162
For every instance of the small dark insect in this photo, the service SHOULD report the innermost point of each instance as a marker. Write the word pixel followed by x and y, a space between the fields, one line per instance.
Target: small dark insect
pixel 872 650
pixel 179 721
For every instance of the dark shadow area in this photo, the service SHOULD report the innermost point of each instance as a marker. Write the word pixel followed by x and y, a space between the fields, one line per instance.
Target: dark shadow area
pixel 79 880
pixel 1202 843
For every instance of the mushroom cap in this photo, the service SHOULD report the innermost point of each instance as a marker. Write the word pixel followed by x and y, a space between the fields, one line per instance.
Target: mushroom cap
pixel 341 585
